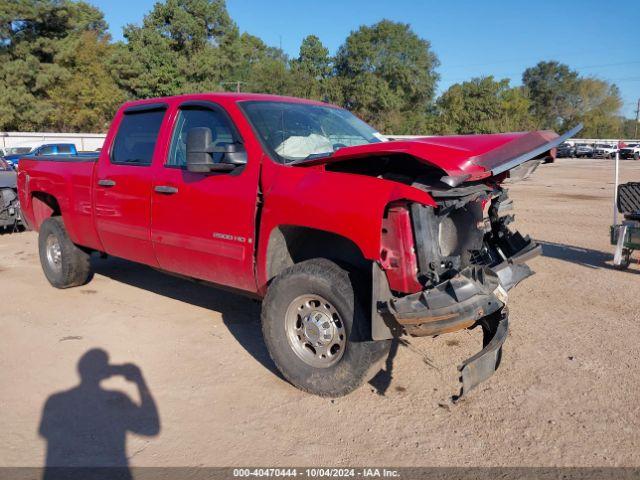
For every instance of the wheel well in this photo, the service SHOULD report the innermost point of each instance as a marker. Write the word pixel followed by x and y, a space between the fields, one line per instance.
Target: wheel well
pixel 289 245
pixel 44 206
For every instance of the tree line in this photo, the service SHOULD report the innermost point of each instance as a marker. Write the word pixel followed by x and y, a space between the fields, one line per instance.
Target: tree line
pixel 61 71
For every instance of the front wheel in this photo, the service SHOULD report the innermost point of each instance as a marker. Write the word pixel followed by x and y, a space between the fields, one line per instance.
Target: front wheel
pixel 316 329
pixel 64 264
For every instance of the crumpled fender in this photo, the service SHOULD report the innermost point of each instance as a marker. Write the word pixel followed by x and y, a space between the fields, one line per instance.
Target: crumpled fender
pixel 351 206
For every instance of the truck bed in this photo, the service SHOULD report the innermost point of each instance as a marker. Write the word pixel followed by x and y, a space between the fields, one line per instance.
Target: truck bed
pixel 69 180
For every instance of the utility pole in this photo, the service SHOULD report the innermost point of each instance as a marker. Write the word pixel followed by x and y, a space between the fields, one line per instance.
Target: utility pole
pixel 635 135
pixel 237 83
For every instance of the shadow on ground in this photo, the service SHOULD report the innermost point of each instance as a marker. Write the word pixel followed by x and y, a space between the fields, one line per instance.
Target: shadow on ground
pixel 11 229
pixel 586 257
pixel 86 427
pixel 240 314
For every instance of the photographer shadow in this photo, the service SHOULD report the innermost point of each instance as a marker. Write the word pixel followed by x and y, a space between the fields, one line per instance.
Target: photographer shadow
pixel 86 427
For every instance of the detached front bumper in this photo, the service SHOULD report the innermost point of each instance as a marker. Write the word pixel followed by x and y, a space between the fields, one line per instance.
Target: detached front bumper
pixel 461 301
pixel 476 296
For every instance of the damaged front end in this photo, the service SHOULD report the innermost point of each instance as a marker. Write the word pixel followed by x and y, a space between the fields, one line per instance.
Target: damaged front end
pixel 464 259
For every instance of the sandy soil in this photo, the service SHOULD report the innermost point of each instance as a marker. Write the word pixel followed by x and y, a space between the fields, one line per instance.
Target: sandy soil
pixel 566 393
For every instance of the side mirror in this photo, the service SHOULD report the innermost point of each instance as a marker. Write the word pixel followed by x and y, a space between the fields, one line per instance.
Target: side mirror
pixel 199 158
pixel 200 149
pixel 234 154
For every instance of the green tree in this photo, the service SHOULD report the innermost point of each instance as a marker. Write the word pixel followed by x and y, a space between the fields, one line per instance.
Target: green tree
pixel 271 73
pixel 597 106
pixel 314 58
pixel 182 46
pixel 552 88
pixel 629 128
pixel 384 72
pixel 42 61
pixel 483 105
pixel 311 72
pixel 88 96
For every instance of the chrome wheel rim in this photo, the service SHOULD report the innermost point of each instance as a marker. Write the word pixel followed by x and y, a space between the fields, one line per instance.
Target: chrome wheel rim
pixel 54 253
pixel 315 331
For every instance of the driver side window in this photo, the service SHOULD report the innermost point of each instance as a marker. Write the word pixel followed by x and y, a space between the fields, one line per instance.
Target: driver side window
pixel 188 118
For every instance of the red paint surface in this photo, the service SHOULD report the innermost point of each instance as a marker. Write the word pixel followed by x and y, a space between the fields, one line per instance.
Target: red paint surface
pixel 209 229
pixel 398 255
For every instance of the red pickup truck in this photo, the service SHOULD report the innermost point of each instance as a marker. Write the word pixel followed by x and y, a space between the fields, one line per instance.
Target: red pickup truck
pixel 348 239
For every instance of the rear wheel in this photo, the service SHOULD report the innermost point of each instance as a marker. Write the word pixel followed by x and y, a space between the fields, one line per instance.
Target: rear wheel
pixel 316 328
pixel 64 264
pixel 636 156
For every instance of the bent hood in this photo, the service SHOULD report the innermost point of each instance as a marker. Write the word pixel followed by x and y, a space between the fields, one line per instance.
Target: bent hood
pixel 461 157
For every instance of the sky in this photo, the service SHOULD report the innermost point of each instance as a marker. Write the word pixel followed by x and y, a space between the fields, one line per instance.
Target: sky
pixel 470 37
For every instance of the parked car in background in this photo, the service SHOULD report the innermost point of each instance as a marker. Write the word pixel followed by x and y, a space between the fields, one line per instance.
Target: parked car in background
pixel 631 150
pixel 47 149
pixel 565 150
pixel 13 151
pixel 9 204
pixel 584 150
pixel 605 150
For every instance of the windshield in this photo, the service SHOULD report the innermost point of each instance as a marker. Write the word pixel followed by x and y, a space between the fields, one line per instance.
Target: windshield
pixel 296 132
pixel 603 145
pixel 18 150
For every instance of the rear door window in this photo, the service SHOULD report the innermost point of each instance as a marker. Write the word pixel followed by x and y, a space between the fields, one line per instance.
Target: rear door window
pixel 136 138
pixel 64 149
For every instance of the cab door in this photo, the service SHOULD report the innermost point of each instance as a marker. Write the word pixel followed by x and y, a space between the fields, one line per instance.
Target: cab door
pixel 123 186
pixel 203 223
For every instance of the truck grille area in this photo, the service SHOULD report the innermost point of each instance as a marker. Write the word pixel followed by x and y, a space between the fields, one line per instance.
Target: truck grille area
pixel 464 233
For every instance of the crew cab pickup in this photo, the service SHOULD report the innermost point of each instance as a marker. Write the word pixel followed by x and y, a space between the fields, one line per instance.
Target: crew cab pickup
pixel 67 149
pixel 349 240
pixel 630 151
pixel 605 150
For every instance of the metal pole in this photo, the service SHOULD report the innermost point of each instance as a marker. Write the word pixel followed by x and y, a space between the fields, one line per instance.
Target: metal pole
pixel 615 190
pixel 635 135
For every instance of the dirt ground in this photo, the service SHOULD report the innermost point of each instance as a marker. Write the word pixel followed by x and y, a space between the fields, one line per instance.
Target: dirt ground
pixel 565 395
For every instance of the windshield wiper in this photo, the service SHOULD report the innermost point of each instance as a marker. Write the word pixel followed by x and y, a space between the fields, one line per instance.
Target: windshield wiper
pixel 312 156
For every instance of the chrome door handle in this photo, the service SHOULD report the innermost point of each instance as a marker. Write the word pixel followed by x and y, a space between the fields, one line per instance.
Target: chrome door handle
pixel 166 189
pixel 105 182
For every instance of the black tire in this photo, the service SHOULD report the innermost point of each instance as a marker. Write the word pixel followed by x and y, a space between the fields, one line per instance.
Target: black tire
pixel 636 156
pixel 72 266
pixel 343 291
